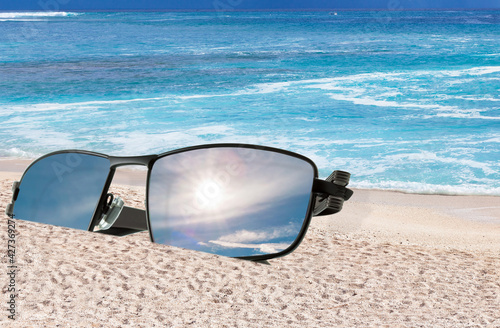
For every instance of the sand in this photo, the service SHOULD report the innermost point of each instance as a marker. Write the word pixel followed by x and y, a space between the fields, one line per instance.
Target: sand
pixel 387 260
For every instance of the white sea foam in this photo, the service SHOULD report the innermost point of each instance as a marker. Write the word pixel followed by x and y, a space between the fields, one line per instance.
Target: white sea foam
pixel 94 104
pixel 476 98
pixel 138 142
pixel 366 89
pixel 40 137
pixel 21 19
pixel 13 153
pixel 34 16
pixel 329 83
pixel 471 115
pixel 201 96
pixel 397 172
pixel 482 70
pixel 487 55
pixel 260 88
pixel 426 156
pixel 353 84
pixel 427 188
pixel 212 129
pixel 365 101
pixel 38 14
pixel 370 101
pixel 271 87
pixel 493 139
pixel 307 119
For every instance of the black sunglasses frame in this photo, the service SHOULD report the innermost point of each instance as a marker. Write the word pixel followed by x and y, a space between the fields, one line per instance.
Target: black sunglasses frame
pixel 321 189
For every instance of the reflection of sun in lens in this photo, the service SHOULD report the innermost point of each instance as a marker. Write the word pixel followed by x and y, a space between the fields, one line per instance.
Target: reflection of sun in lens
pixel 210 194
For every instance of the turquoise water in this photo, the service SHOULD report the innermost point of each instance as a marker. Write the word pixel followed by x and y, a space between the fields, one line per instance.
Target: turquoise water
pixel 403 100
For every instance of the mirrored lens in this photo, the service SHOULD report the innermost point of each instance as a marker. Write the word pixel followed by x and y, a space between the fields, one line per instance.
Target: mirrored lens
pixel 62 189
pixel 229 201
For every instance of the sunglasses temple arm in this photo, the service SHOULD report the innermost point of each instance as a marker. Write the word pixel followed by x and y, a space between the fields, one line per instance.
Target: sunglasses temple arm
pixel 9 210
pixel 331 193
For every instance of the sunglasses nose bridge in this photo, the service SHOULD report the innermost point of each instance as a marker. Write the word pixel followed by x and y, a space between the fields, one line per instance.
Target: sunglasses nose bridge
pixel 117 161
pixel 131 177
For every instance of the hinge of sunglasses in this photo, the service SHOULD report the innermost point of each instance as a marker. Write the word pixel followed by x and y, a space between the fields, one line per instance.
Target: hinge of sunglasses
pixel 331 193
pixel 9 210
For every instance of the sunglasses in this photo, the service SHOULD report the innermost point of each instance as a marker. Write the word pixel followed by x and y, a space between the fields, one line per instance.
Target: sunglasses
pixel 237 200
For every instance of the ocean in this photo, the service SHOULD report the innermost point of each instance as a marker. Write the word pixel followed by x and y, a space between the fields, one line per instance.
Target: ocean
pixel 404 100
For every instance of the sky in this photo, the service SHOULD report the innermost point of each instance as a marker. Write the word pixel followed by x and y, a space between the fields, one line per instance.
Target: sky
pixel 227 5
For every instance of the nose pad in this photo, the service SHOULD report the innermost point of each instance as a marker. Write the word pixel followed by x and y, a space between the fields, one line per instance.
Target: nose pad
pixel 112 210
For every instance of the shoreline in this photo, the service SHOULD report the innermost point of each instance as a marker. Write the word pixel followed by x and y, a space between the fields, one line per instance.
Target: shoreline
pixel 13 166
pixel 467 223
pixel 472 208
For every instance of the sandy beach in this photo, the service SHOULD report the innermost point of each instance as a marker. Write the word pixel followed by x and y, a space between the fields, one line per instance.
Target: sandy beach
pixel 402 94
pixel 388 259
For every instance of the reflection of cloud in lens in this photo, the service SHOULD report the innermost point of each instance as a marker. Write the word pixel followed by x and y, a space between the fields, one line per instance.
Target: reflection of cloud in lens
pixel 266 248
pixel 253 239
pixel 246 236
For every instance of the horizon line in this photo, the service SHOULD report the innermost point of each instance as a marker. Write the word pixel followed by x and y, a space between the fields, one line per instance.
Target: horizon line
pixel 250 10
